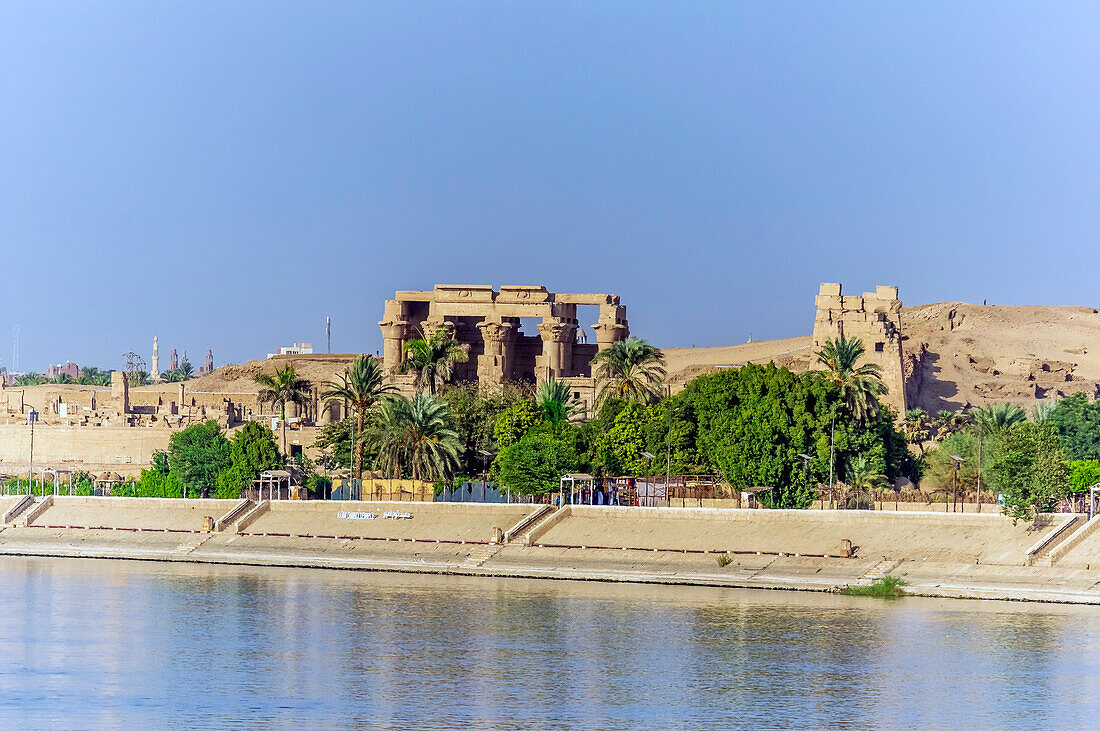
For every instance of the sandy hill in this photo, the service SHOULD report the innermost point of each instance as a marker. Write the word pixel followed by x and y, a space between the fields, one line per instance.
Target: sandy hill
pixel 956 354
pixel 241 377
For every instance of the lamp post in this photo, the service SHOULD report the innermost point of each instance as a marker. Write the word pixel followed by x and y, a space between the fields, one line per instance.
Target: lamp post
pixel 957 461
pixel 806 459
pixel 32 417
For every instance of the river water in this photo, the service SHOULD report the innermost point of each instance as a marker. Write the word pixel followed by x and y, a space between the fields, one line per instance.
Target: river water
pixel 90 643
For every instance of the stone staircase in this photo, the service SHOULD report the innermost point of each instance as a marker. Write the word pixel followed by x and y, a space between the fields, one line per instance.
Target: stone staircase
pixel 482 554
pixel 1040 556
pixel 879 570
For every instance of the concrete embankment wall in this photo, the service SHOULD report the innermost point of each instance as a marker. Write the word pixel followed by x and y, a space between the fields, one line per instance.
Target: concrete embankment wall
pixel 131 513
pixel 427 521
pixel 956 537
pixel 124 449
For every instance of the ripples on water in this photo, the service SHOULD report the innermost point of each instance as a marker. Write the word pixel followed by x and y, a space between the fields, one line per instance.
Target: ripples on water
pixel 125 644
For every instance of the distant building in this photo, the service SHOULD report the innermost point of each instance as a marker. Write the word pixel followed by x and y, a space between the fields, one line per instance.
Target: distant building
pixel 69 369
pixel 296 349
pixel 208 364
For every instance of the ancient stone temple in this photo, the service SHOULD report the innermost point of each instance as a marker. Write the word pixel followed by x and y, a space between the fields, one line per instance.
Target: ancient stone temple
pixel 487 321
pixel 874 318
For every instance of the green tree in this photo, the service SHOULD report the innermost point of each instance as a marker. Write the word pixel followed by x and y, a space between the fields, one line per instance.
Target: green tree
pixel 29 379
pixel 753 423
pixel 197 454
pixel 948 422
pixel 475 413
pixel 361 386
pixel 991 420
pixel 336 439
pixel 186 371
pixel 138 378
pixel 1030 470
pixel 417 436
pixel 253 451
pixel 1083 474
pixel 534 465
pixel 91 376
pixel 171 376
pixel 285 387
pixel 515 422
pixel 432 360
pixel 620 449
pixel 1077 423
pixel 859 385
pixel 556 401
pixel 915 427
pixel 630 370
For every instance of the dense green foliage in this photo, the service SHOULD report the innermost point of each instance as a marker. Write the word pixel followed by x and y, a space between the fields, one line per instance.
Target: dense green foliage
pixel 475 413
pixel 859 385
pixel 1083 474
pixel 534 465
pixel 253 451
pixel 1030 469
pixel 1077 423
pixel 197 454
pixel 754 421
pixel 336 438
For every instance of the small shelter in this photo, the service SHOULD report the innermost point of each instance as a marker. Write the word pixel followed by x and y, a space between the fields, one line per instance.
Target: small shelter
pixel 273 480
pixel 56 473
pixel 574 479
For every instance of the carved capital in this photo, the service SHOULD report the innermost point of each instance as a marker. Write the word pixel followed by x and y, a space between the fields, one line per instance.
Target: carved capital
pixel 495 331
pixel 557 331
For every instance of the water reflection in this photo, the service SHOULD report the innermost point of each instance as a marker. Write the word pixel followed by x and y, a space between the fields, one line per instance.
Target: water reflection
pixel 98 643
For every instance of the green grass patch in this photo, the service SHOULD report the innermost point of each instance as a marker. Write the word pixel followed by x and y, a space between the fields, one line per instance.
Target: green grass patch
pixel 886 587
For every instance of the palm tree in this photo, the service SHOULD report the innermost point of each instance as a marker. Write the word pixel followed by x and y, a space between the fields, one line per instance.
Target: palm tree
pixel 947 423
pixel 62 379
pixel 915 427
pixel 556 401
pixel 991 420
pixel 432 359
pixel 30 379
pixel 417 435
pixel 171 376
pixel 860 386
pixel 186 371
pixel 282 389
pixel 1041 411
pixel 138 378
pixel 92 376
pixel 361 385
pixel 630 370
pixel 863 476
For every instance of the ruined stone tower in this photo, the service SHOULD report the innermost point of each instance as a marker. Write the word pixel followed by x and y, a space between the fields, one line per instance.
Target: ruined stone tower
pixel 874 318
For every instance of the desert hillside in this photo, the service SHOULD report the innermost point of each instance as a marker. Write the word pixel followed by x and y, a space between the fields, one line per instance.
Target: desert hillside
pixel 956 354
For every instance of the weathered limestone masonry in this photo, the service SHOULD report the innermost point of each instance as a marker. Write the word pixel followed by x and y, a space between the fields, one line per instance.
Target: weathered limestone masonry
pixel 488 322
pixel 874 318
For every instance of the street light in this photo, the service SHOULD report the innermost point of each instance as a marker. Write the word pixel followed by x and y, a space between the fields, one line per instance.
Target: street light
pixel 957 462
pixel 806 459
pixel 32 417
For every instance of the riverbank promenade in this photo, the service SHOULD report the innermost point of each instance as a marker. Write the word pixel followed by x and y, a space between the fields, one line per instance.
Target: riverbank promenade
pixel 1055 558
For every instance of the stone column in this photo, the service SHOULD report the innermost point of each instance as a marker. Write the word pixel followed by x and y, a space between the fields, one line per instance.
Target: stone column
pixel 495 365
pixel 393 341
pixel 612 326
pixel 556 360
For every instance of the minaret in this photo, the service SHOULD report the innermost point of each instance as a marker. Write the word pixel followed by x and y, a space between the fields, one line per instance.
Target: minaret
pixel 174 361
pixel 156 359
pixel 209 367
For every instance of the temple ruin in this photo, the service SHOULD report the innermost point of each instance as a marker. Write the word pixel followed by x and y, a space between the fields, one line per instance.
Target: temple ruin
pixel 487 321
pixel 874 318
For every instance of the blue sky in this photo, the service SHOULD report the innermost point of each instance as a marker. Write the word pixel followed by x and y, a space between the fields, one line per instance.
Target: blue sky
pixel 225 175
